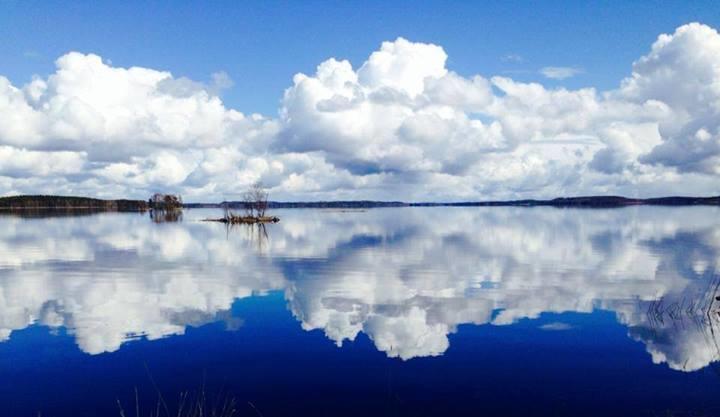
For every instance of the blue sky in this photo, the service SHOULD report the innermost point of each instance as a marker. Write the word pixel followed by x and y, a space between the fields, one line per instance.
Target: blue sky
pixel 261 45
pixel 360 100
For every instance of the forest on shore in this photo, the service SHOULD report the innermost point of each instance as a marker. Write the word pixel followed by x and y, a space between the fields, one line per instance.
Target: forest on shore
pixel 53 202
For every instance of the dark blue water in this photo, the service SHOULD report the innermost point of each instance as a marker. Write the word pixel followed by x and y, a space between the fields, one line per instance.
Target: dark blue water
pixel 426 312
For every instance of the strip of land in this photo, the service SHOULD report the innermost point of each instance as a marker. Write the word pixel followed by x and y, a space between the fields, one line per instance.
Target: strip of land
pixel 589 202
pixel 45 202
pixel 53 202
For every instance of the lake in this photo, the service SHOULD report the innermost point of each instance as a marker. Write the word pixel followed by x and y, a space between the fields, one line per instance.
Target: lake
pixel 496 311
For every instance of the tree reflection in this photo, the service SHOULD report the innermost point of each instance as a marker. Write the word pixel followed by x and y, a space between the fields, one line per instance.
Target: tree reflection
pixel 166 216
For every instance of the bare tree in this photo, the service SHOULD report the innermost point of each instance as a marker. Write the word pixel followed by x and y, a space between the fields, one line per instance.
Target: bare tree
pixel 248 202
pixel 259 198
pixel 226 210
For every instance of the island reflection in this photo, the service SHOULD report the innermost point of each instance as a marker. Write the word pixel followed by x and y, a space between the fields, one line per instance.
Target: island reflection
pixel 406 277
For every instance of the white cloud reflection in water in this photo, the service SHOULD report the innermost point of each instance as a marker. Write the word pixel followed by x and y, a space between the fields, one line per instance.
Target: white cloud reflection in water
pixel 405 277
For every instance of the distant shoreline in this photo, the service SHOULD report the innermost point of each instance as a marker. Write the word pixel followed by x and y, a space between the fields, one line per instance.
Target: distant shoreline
pixel 587 202
pixel 53 202
pixel 42 202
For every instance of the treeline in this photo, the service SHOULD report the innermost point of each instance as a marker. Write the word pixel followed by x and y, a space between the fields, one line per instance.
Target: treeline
pixel 588 202
pixel 53 202
pixel 327 204
pixel 302 204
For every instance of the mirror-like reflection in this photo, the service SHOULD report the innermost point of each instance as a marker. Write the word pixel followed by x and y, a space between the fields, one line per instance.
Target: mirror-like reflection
pixel 406 277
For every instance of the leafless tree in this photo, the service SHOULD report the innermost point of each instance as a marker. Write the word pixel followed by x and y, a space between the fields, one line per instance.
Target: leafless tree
pixel 248 202
pixel 226 211
pixel 259 198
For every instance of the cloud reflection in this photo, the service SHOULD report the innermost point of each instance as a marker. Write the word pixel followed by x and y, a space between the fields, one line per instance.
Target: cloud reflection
pixel 405 277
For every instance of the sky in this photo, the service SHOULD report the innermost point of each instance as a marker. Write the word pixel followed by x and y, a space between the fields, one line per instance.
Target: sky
pixel 419 101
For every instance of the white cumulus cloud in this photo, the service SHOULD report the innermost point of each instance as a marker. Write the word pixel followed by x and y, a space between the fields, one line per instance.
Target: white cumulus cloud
pixel 400 125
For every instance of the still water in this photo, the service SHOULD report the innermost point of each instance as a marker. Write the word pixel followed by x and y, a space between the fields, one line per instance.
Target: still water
pixel 402 311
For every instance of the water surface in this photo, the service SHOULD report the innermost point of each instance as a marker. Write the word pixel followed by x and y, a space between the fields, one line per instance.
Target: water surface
pixel 402 311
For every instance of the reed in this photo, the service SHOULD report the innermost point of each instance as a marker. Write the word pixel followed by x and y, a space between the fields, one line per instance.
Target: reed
pixel 189 404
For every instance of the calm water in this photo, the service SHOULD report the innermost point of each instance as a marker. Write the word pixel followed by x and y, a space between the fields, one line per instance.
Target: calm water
pixel 412 311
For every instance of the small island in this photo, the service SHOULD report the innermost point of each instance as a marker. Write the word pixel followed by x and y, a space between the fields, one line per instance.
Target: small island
pixel 255 205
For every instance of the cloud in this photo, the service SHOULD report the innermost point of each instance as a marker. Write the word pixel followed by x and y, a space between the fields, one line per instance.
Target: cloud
pixel 400 125
pixel 19 163
pixel 30 54
pixel 681 71
pixel 515 58
pixel 560 73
